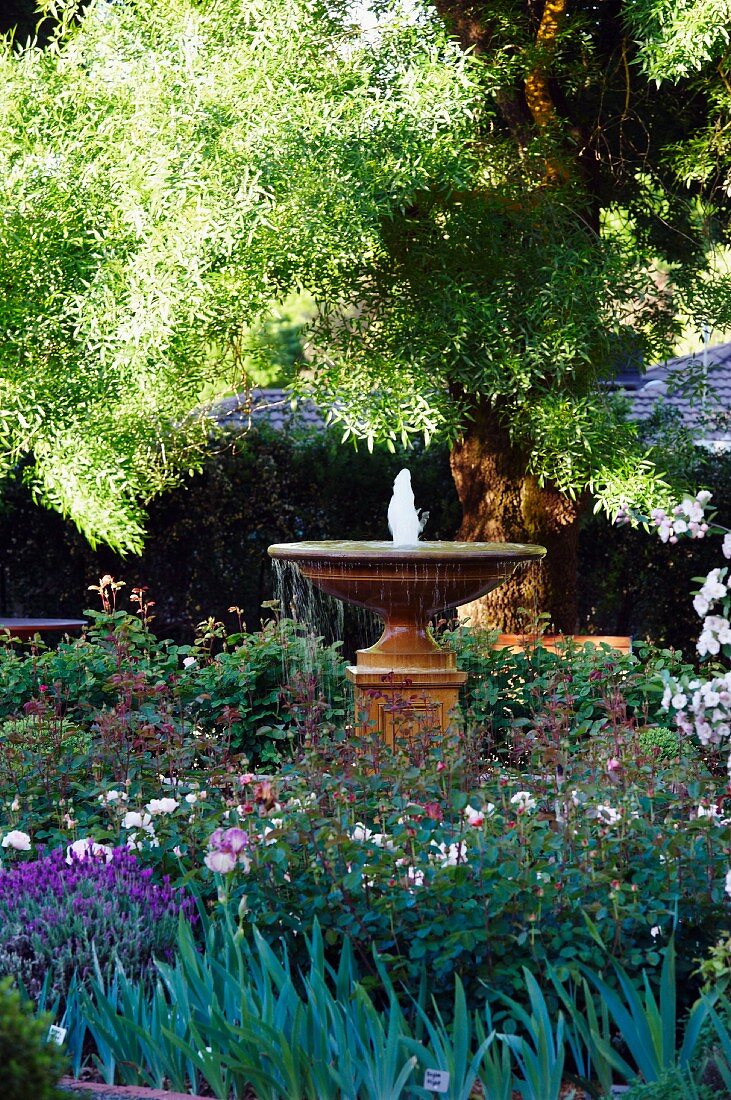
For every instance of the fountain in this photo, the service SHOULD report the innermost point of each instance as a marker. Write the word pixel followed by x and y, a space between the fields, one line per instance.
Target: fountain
pixel 405 677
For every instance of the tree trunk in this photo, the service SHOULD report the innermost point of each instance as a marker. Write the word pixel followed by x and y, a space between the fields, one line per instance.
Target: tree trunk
pixel 502 503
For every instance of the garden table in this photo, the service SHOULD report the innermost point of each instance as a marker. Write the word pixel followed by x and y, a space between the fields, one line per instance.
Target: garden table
pixel 27 628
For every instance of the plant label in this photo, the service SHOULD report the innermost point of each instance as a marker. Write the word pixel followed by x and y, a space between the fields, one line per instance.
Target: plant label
pixel 56 1034
pixel 436 1080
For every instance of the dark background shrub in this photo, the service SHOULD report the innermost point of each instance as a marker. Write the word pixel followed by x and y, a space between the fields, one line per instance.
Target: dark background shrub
pixel 207 546
pixel 630 583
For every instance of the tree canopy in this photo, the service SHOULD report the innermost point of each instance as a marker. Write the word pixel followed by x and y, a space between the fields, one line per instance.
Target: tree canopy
pixel 590 226
pixel 169 171
pixel 495 205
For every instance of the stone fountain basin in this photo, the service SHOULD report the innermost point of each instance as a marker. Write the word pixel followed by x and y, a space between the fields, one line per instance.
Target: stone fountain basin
pixel 430 576
pixel 406 584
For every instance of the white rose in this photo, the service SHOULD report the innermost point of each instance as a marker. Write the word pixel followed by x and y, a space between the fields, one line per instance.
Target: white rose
pixel 474 817
pixel 88 848
pixel 608 815
pixel 523 801
pixel 161 806
pixel 18 840
pixel 135 820
pixel 414 876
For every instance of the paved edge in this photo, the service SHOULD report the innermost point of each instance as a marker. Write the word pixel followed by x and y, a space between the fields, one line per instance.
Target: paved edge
pixel 118 1092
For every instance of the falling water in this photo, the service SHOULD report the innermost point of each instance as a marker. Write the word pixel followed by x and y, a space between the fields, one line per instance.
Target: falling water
pixel 320 615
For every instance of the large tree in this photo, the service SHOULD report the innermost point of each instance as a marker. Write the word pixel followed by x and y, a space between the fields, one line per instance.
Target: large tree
pixel 582 234
pixel 494 204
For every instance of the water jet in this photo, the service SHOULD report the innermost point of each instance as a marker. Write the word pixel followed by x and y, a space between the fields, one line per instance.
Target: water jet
pixel 405 677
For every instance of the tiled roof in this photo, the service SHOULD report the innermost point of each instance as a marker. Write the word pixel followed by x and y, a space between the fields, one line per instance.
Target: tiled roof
pixel 702 398
pixel 272 406
pixel 677 383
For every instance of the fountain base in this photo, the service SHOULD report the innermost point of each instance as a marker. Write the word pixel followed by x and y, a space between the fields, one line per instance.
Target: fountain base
pixel 402 704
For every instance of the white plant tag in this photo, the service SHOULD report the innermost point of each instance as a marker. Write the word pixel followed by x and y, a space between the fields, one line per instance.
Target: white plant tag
pixel 436 1080
pixel 56 1034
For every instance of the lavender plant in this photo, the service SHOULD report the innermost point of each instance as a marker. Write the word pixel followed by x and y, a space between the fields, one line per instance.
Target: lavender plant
pixel 61 912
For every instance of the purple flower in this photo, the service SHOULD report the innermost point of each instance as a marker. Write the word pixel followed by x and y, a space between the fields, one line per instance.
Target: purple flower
pixel 54 916
pixel 227 847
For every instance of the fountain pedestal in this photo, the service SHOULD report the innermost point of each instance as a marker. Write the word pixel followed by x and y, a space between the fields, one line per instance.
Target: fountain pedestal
pixel 406 681
pixel 399 704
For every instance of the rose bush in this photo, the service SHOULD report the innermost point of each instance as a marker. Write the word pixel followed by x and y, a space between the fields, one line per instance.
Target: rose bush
pixel 701 707
pixel 481 875
pixel 560 819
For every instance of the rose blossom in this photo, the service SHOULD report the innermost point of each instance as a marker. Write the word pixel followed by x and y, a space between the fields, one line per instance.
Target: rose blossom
pixel 162 805
pixel 88 848
pixel 608 815
pixel 135 820
pixel 18 840
pixel 523 801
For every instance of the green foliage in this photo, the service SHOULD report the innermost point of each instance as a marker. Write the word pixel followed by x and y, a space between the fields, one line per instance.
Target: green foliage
pixel 378 848
pixel 647 1023
pixel 102 726
pixel 675 1084
pixel 31 1065
pixel 540 1052
pixel 99 727
pixel 173 176
pixel 169 174
pixel 509 695
pixel 678 38
pixel 257 689
pixel 715 968
pixel 540 320
pixel 661 742
pixel 120 681
pixel 236 1016
pixel 535 278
